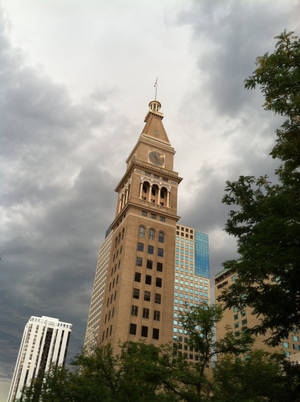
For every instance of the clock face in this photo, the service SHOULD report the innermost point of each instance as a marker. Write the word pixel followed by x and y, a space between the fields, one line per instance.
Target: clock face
pixel 157 158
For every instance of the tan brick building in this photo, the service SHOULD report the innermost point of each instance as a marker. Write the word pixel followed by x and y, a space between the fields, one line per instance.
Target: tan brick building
pixel 138 292
pixel 238 320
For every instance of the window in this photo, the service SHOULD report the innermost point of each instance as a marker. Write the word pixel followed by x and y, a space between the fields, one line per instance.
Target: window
pixel 155 333
pixel 144 331
pixel 151 234
pixel 243 313
pixel 150 249
pixel 142 231
pixel 134 310
pixel 157 298
pixel 147 295
pixel 139 261
pixel 162 218
pixel 236 316
pixel 159 282
pixel 136 293
pixel 236 325
pixel 140 246
pixel 153 216
pixel 296 347
pixel 295 338
pixel 160 252
pixel 159 266
pixel 137 277
pixel 285 345
pixel 145 313
pixel 149 264
pixel 244 322
pixel 144 213
pixel 148 279
pixel 161 237
pixel 156 315
pixel 132 329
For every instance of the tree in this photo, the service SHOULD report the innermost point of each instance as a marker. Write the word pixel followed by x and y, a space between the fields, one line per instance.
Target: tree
pixel 137 373
pixel 265 217
pixel 193 381
pixel 146 373
pixel 259 377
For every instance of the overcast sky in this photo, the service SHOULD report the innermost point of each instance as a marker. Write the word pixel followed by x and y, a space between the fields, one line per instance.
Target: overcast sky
pixel 75 81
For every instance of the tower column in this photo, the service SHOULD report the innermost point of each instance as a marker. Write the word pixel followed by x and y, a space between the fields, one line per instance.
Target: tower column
pixel 150 192
pixel 141 189
pixel 158 197
pixel 168 198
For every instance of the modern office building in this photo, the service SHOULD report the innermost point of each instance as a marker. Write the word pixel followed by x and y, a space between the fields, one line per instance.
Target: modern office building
pixel 192 283
pixel 238 320
pixel 133 294
pixel 44 344
pixel 92 330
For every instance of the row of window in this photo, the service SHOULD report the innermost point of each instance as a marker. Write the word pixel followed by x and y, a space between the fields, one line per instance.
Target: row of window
pixel 286 345
pixel 160 253
pixel 113 283
pixel 151 234
pixel 148 279
pixel 180 241
pixel 149 263
pixel 145 313
pixel 236 316
pixel 185 251
pixel 153 216
pixel 191 278
pixel 184 229
pixel 144 331
pixel 119 237
pixel 189 284
pixel 196 299
pixel 147 295
pixel 186 235
pixel 191 291
pixel 244 323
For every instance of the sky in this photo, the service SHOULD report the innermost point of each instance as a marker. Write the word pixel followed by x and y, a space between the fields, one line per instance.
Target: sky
pixel 76 78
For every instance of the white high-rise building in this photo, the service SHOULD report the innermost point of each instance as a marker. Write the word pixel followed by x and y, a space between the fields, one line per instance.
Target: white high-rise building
pixel 92 329
pixel 44 344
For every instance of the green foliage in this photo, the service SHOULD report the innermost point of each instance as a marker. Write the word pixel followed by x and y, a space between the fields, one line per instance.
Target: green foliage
pixel 265 217
pixel 259 377
pixel 146 373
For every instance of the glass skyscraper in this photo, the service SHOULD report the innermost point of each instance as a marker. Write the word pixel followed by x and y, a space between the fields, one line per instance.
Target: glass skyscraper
pixel 192 280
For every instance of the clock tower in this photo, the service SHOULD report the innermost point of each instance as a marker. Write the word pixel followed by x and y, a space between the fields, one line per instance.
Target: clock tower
pixel 138 293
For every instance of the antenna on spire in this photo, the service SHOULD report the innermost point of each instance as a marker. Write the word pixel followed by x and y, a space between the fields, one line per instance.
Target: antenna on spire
pixel 155 86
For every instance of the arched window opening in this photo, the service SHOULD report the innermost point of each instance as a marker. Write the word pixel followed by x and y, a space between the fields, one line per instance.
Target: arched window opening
pixel 142 231
pixel 145 191
pixel 146 186
pixel 161 237
pixel 151 234
pixel 154 189
pixel 123 231
pixel 163 196
pixel 154 193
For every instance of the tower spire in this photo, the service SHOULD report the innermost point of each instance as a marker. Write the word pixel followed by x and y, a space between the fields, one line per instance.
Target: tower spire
pixel 155 86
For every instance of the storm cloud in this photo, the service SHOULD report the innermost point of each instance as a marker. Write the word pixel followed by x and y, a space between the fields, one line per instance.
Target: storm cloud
pixel 64 144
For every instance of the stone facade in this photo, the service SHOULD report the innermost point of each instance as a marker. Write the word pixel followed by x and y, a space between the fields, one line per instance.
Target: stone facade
pixel 138 295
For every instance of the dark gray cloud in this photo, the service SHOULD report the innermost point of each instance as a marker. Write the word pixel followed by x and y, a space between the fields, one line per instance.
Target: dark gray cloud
pixel 60 161
pixel 57 198
pixel 229 36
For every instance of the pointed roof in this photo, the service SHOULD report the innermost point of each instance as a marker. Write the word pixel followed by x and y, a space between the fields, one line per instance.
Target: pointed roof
pixel 154 127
